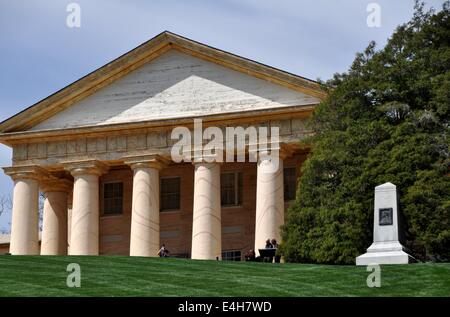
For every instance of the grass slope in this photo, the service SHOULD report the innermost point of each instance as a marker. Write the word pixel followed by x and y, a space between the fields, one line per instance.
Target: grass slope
pixel 134 276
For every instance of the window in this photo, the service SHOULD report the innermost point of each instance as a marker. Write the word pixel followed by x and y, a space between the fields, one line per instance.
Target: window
pixel 112 198
pixel 181 256
pixel 290 183
pixel 231 255
pixel 170 193
pixel 231 189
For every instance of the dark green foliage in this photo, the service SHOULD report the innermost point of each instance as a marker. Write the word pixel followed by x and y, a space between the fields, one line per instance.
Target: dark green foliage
pixel 386 120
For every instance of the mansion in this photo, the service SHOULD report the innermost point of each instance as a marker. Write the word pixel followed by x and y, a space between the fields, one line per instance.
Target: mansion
pixel 99 150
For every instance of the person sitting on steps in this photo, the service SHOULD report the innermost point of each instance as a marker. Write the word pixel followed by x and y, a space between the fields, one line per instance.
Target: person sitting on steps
pixel 250 256
pixel 163 252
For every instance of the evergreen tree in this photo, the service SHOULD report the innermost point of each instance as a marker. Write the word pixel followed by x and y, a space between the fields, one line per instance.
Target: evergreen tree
pixel 385 120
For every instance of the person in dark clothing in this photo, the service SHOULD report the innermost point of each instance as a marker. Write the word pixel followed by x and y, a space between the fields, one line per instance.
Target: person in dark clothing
pixel 163 252
pixel 250 255
pixel 274 243
pixel 277 255
pixel 268 246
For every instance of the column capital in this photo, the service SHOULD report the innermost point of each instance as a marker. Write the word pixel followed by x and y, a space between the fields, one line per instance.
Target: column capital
pixel 155 161
pixel 92 167
pixel 54 184
pixel 198 156
pixel 284 150
pixel 26 172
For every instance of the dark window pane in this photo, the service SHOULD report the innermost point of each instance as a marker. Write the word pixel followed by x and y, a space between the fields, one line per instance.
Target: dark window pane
pixel 290 183
pixel 226 188
pixel 240 188
pixel 112 198
pixel 231 189
pixel 231 255
pixel 170 193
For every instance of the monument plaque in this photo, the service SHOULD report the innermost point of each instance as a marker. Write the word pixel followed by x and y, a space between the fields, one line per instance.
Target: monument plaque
pixel 386 247
pixel 385 215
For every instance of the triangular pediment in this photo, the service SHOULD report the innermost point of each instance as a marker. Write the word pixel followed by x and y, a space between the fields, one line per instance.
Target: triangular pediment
pixel 175 85
pixel 165 78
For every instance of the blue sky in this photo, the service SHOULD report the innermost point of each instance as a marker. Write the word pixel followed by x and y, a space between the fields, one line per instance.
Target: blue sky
pixel 39 54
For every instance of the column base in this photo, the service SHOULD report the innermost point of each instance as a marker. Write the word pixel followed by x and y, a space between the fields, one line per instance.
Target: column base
pixel 390 252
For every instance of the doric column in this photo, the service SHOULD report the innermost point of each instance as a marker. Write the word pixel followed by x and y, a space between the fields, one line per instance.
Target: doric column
pixel 25 213
pixel 84 235
pixel 54 228
pixel 144 236
pixel 206 226
pixel 269 198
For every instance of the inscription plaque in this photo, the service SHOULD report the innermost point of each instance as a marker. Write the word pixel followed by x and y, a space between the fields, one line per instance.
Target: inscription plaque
pixel 386 216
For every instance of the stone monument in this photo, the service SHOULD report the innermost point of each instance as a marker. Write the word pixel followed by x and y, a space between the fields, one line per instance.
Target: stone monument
pixel 386 247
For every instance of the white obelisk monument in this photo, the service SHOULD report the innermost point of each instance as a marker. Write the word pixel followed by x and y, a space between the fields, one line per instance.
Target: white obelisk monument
pixel 386 247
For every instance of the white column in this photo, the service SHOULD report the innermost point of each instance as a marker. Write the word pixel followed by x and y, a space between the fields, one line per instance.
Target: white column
pixel 206 226
pixel 25 211
pixel 269 201
pixel 69 219
pixel 144 236
pixel 85 207
pixel 54 231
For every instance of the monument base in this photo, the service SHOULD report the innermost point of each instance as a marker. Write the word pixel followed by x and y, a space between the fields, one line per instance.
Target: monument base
pixel 389 252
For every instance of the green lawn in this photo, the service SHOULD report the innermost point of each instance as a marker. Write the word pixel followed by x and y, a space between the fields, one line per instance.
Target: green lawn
pixel 134 276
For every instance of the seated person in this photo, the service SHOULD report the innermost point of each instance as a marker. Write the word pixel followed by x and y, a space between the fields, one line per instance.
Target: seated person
pixel 163 252
pixel 274 243
pixel 269 245
pixel 277 254
pixel 250 256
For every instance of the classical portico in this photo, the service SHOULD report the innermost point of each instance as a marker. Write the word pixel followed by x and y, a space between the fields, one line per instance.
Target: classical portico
pixel 99 152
